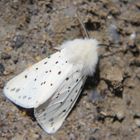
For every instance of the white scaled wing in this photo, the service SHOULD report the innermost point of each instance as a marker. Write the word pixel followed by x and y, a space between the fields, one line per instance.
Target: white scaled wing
pixel 53 112
pixel 53 85
pixel 39 82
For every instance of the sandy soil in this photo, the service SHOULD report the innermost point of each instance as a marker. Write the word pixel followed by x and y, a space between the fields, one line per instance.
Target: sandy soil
pixel 109 106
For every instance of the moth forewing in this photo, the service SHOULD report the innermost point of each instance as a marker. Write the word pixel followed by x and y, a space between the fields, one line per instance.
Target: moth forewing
pixel 37 84
pixel 51 115
pixel 53 85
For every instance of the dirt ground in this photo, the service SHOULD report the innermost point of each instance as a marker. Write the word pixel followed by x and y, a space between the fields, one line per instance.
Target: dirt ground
pixel 109 106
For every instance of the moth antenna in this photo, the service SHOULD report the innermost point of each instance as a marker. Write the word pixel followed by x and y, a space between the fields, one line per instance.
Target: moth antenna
pixel 102 44
pixel 82 25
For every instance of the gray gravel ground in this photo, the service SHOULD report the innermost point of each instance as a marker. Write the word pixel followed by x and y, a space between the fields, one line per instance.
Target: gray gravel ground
pixel 109 106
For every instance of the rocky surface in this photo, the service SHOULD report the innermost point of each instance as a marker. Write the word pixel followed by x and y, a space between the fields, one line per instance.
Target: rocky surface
pixel 109 106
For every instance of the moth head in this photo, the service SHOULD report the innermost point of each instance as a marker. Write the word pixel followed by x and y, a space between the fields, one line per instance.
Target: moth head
pixel 82 52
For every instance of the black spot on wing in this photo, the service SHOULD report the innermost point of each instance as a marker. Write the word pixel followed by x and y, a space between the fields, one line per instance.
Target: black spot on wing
pixel 36 68
pixel 51 123
pixel 56 62
pixel 29 98
pixel 42 110
pixel 25 76
pixel 42 83
pixel 24 97
pixel 13 89
pixel 44 114
pixel 67 78
pixel 59 72
pixel 45 62
pixel 52 119
pixel 18 89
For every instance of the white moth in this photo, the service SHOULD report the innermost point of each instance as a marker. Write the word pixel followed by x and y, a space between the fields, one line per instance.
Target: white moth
pixel 53 85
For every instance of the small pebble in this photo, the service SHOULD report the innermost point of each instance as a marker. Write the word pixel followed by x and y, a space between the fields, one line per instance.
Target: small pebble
pixel 120 116
pixel 95 96
pixel 133 36
pixel 72 136
pixel 17 41
pixel 113 34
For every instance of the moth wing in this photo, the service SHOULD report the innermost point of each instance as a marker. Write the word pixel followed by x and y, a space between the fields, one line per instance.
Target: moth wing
pixel 52 113
pixel 38 83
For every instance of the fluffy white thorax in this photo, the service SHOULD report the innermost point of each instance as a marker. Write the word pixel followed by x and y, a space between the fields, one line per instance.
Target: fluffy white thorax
pixel 82 52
